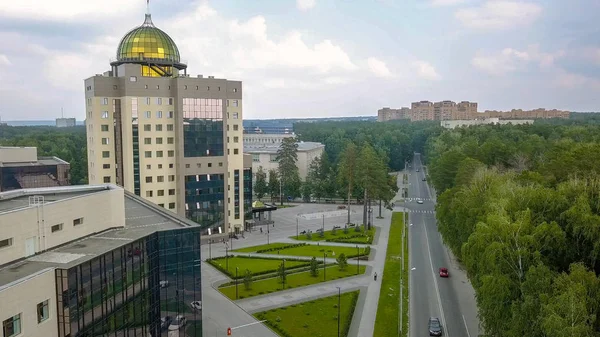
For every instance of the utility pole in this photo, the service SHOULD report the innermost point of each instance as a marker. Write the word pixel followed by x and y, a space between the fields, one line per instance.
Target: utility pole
pixel 297 236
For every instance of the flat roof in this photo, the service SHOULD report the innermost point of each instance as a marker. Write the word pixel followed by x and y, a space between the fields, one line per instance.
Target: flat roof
pixel 141 219
pixel 41 161
pixel 272 148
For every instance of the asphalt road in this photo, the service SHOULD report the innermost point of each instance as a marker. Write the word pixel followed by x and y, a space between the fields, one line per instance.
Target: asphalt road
pixel 451 299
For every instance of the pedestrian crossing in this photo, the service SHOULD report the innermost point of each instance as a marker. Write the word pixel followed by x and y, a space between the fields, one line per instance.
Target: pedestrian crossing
pixel 421 211
pixel 415 199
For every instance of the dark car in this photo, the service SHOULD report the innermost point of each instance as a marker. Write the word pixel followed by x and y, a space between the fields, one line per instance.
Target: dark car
pixel 435 327
pixel 417 170
pixel 165 322
pixel 443 272
pixel 424 179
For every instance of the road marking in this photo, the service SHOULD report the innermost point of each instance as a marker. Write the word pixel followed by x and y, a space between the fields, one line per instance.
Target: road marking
pixel 437 290
pixel 466 328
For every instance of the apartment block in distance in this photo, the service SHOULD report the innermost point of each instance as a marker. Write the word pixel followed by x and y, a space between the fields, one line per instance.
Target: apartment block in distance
pixel 65 122
pixel 165 136
pixel 83 261
pixel 20 167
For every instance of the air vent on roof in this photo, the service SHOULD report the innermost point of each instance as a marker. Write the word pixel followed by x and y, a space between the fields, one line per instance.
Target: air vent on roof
pixel 200 76
pixel 211 77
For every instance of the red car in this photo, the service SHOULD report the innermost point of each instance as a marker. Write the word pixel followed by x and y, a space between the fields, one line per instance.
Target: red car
pixel 443 272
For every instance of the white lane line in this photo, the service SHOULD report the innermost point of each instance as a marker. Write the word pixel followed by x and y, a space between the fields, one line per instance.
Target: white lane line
pixel 437 290
pixel 466 328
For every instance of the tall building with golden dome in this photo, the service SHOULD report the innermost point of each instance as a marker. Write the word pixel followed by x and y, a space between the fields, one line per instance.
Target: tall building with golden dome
pixel 170 138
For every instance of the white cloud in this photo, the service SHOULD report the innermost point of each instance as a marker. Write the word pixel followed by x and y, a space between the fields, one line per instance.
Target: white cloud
pixel 4 61
pixel 442 3
pixel 568 80
pixel 425 70
pixel 75 10
pixel 509 60
pixel 305 5
pixel 378 67
pixel 499 14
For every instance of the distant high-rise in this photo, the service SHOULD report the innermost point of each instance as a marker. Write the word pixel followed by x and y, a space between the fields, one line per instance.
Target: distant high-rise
pixel 65 122
pixel 170 138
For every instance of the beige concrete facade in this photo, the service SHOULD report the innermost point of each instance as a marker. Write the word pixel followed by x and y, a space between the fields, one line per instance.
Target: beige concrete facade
pixel 464 110
pixel 121 98
pixel 38 223
pixel 21 298
pixel 451 124
pixel 264 155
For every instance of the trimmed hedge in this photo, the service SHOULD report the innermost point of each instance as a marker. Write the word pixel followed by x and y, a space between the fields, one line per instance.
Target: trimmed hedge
pixel 274 273
pixel 274 249
pixel 213 262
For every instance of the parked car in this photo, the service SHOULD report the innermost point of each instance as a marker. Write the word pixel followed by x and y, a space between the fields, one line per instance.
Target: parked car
pixel 177 323
pixel 435 327
pixel 163 284
pixel 197 305
pixel 424 179
pixel 341 207
pixel 165 322
pixel 444 272
pixel 303 232
pixel 417 170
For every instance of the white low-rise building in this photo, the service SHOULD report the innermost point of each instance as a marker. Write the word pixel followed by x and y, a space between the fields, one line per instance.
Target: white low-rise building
pixel 265 155
pixel 451 124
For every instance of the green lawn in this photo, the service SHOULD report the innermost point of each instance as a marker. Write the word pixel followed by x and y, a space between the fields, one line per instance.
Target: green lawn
pixel 308 250
pixel 292 281
pixel 316 318
pixel 256 265
pixel 339 236
pixel 386 323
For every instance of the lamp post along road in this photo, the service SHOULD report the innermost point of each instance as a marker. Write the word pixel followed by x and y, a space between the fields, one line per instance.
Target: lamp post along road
pixel 323 223
pixel 357 259
pixel 283 276
pixel 236 282
pixel 209 249
pixel 324 270
pixel 227 257
pixel 339 304
pixel 297 228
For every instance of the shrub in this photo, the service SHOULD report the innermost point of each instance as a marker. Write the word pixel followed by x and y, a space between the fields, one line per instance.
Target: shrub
pixel 334 231
pixel 342 261
pixel 309 235
pixel 345 229
pixel 314 267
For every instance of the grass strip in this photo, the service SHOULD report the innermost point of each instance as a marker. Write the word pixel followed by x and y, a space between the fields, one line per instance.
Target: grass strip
pixel 256 265
pixel 389 296
pixel 317 318
pixel 303 249
pixel 338 235
pixel 295 280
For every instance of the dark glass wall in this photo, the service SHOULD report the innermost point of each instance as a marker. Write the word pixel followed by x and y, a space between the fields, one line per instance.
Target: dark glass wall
pixel 236 194
pixel 202 127
pixel 248 193
pixel 204 195
pixel 136 290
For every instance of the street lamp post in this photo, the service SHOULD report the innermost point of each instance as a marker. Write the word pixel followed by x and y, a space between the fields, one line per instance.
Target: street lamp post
pixel 209 249
pixel 324 270
pixel 236 282
pixel 323 223
pixel 357 259
pixel 297 228
pixel 283 276
pixel 339 303
pixel 267 233
pixel 227 257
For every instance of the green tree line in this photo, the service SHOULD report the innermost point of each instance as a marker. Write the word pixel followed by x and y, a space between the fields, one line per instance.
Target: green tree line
pixel 520 207
pixel 68 144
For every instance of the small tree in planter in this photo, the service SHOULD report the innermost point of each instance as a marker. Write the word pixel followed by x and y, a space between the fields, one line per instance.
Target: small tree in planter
pixel 333 231
pixel 322 234
pixel 346 230
pixel 357 228
pixel 314 267
pixel 309 235
pixel 342 261
pixel 282 273
pixel 248 280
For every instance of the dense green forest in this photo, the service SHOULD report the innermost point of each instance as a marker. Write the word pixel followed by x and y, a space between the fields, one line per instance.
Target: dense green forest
pixel 520 207
pixel 68 144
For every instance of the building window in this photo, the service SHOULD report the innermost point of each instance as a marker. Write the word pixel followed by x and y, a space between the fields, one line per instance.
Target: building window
pixel 147 127
pixel 105 154
pixel 235 151
pixel 157 87
pixel 158 99
pixel 132 78
pixel 235 127
pixel 104 115
pixel 159 114
pixel 147 98
pixel 148 194
pixel 42 311
pixel 170 114
pixel 159 140
pixel 147 140
pixel 170 140
pixel 159 166
pixel 171 165
pixel 161 205
pixel 146 87
pixel 170 101
pixel 171 205
pixel 107 180
pixel 158 127
pixel 171 177
pixel 187 165
pixel 159 154
pixel 148 167
pixel 149 179
pixel 12 326
pixel 234 89
pixel 56 228
pixel 6 243
pixel 148 114
pixel 185 87
pixel 196 87
pixel 105 141
pixel 89 101
pixel 172 191
pixel 220 164
pixel 236 139
pixel 160 193
pixel 77 221
pixel 104 127
pixel 169 127
pixel 160 179
pixel 235 115
pixel 115 87
pixel 198 165
pixel 235 102
pixel 106 166
pixel 105 101
pixel 147 154
pixel 171 153
pixel 209 164
pixel 255 158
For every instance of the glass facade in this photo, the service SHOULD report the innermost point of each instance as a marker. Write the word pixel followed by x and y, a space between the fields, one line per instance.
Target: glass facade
pixel 204 194
pixel 248 193
pixel 202 127
pixel 149 287
pixel 236 193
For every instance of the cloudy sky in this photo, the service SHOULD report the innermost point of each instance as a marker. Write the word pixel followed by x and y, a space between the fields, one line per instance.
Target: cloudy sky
pixel 307 58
